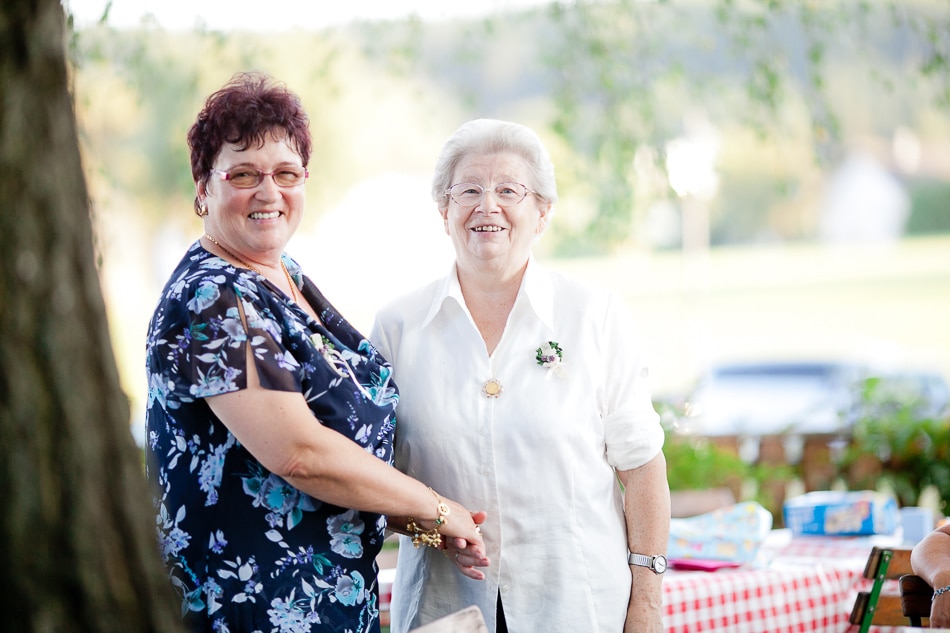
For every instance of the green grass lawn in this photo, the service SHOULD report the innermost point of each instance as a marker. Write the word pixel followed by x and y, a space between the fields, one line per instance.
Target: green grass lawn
pixel 888 304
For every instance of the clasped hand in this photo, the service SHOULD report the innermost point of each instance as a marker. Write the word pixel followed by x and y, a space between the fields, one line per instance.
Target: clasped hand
pixel 468 554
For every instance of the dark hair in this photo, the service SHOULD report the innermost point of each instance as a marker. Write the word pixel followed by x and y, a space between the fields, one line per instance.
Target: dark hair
pixel 248 108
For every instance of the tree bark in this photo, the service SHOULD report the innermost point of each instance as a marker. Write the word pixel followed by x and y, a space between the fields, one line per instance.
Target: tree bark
pixel 78 546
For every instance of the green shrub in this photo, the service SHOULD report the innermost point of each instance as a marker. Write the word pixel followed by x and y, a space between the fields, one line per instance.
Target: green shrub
pixel 694 463
pixel 895 445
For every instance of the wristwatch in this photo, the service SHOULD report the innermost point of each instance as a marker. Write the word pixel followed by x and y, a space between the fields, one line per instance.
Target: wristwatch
pixel 656 564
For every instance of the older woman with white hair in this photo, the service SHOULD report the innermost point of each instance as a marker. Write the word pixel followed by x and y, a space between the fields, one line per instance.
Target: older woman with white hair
pixel 525 394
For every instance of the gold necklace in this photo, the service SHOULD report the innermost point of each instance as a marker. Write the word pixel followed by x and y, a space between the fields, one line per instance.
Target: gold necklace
pixel 290 280
pixel 293 286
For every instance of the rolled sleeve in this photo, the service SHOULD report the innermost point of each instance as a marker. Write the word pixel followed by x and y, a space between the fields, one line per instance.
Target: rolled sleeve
pixel 632 427
pixel 632 441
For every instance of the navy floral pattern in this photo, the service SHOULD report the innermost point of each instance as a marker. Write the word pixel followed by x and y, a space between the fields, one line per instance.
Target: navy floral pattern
pixel 248 552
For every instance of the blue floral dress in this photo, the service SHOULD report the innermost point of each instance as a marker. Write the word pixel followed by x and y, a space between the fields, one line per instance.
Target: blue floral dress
pixel 247 551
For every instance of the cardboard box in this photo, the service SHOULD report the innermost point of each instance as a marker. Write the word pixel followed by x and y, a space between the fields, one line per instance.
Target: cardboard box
pixel 731 534
pixel 854 513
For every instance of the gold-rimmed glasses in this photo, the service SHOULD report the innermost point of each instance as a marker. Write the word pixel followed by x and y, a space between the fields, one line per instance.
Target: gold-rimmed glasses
pixel 248 177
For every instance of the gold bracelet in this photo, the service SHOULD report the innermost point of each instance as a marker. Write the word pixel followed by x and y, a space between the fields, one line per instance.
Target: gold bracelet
pixel 432 538
pixel 443 509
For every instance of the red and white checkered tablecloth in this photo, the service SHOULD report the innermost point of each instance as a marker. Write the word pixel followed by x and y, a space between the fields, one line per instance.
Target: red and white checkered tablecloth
pixel 787 600
pixel 800 585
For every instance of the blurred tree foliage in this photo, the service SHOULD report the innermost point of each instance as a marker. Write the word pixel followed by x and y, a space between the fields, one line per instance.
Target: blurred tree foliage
pixel 784 82
pixel 898 443
pixel 930 201
pixel 786 87
pixel 767 65
pixel 137 91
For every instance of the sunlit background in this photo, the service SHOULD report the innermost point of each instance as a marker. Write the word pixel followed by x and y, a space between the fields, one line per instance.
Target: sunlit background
pixel 758 183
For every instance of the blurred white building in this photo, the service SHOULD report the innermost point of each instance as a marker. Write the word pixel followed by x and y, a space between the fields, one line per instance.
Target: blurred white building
pixel 864 203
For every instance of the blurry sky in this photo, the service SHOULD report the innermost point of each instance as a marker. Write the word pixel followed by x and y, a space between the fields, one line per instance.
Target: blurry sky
pixel 256 15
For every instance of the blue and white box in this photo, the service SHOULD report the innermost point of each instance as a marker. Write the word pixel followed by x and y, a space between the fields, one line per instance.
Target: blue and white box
pixel 832 513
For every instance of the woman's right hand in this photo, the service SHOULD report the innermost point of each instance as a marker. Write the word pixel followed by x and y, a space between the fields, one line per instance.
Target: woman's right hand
pixel 460 523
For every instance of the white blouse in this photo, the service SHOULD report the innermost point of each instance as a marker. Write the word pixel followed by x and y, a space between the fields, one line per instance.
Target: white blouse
pixel 539 458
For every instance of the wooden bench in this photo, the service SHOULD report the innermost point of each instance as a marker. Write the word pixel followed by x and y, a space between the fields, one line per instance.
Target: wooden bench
pixel 879 606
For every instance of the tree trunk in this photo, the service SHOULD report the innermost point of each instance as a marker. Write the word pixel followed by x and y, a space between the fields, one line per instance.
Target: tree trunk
pixel 78 546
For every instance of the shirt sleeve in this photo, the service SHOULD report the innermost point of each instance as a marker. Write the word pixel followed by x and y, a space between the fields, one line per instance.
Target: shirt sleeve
pixel 632 427
pixel 217 315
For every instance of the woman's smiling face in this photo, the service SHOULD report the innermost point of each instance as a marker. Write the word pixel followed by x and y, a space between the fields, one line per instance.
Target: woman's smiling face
pixel 257 222
pixel 490 235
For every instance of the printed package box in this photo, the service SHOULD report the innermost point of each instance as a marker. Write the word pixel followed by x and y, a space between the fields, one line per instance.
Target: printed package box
pixel 731 534
pixel 854 513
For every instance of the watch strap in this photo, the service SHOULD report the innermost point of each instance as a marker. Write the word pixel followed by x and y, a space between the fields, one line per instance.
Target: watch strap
pixel 640 559
pixel 650 562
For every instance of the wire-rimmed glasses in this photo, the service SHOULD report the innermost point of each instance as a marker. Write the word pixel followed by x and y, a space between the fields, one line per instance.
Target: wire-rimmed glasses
pixel 468 194
pixel 248 177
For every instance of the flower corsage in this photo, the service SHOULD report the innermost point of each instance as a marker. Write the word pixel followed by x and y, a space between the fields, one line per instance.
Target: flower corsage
pixel 551 356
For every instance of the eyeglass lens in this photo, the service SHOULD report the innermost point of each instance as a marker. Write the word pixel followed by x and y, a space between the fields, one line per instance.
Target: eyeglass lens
pixel 470 194
pixel 246 178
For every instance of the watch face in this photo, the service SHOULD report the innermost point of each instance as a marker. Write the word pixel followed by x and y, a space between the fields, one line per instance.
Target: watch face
pixel 659 564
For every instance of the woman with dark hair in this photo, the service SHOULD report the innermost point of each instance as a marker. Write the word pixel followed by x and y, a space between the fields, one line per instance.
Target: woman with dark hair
pixel 270 418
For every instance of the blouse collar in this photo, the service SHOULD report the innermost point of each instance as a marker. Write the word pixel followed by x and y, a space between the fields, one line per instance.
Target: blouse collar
pixel 536 289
